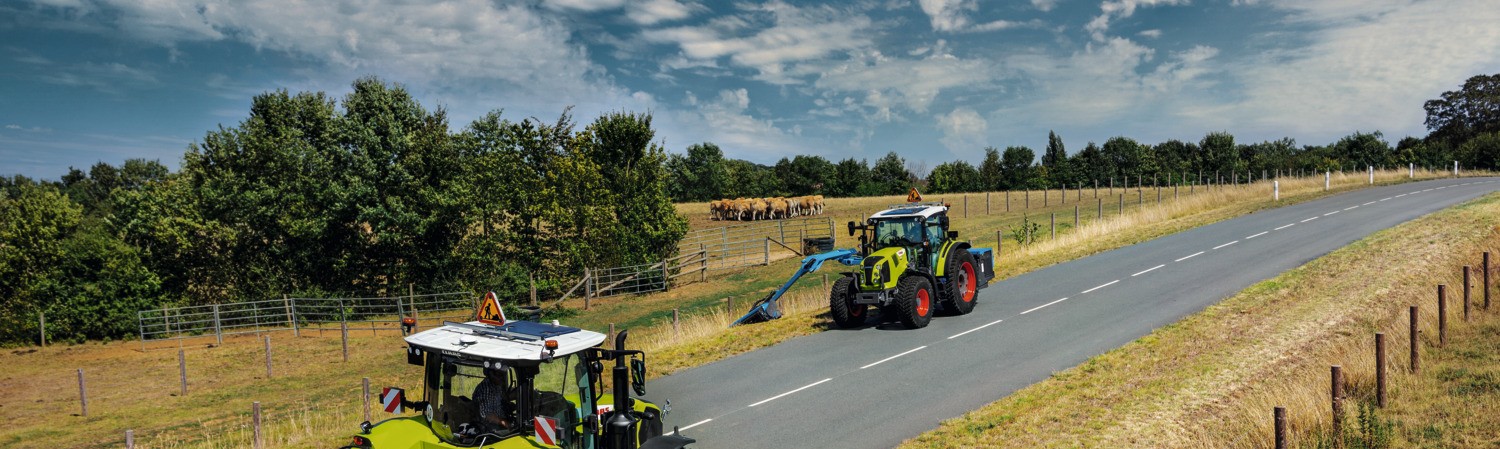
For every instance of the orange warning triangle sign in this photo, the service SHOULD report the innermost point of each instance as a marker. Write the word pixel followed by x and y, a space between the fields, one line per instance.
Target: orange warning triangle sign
pixel 490 311
pixel 913 195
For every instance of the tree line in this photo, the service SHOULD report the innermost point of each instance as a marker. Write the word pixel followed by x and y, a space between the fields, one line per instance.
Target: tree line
pixel 1463 125
pixel 312 196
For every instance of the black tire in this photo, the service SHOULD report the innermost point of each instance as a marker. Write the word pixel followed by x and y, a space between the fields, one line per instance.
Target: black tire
pixel 914 301
pixel 963 282
pixel 846 313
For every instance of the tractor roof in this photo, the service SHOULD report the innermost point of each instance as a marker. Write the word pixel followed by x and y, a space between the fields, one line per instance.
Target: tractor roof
pixel 513 340
pixel 924 210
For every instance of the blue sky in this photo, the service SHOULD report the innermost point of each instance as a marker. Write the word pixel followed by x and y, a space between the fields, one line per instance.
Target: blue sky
pixel 934 80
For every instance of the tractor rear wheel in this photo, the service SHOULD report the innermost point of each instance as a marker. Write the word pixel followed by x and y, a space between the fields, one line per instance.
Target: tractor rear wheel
pixel 914 301
pixel 846 313
pixel 963 282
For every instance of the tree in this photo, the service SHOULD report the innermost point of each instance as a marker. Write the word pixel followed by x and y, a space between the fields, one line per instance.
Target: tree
pixel 1131 160
pixel 957 176
pixel 1056 160
pixel 889 175
pixel 701 175
pixel 850 178
pixel 1363 149
pixel 1092 165
pixel 1457 116
pixel 1218 153
pixel 34 220
pixel 647 227
pixel 991 174
pixel 1015 165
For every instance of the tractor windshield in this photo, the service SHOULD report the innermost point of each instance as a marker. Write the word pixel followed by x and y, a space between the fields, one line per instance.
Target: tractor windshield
pixel 557 398
pixel 456 409
pixel 904 231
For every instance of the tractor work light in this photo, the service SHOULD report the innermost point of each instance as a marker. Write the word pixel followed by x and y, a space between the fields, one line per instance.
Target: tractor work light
pixel 407 323
pixel 551 345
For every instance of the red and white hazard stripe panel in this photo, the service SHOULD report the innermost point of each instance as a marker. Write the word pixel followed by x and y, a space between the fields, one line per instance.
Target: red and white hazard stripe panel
pixel 546 430
pixel 390 400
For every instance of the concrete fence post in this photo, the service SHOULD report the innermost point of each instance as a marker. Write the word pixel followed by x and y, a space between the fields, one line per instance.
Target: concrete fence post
pixel 1276 190
pixel 1372 174
pixel 1327 176
pixel 218 330
pixel 129 439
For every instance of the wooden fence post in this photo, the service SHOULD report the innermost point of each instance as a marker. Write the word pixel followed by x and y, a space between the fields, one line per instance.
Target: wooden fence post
pixel 83 395
pixel 1099 211
pixel 291 316
pixel 182 370
pixel 768 251
pixel 42 317
pixel 1485 278
pixel 999 237
pixel 218 330
pixel 129 439
pixel 1054 225
pixel 255 410
pixel 1337 396
pixel 344 335
pixel 676 328
pixel 966 205
pixel 268 356
pixel 366 384
pixel 1466 293
pixel 1442 315
pixel 986 203
pixel 1415 364
pixel 1075 217
pixel 1380 369
pixel 531 277
pixel 611 336
pixel 1279 415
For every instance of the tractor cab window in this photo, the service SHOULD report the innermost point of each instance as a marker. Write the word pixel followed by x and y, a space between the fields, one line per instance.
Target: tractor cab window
pixel 455 411
pixel 935 231
pixel 557 397
pixel 898 232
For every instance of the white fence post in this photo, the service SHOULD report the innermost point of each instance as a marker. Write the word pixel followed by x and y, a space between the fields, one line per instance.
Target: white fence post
pixel 1276 188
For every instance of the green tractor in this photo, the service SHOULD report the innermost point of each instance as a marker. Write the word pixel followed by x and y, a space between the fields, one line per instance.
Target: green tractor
pixel 911 266
pixel 497 384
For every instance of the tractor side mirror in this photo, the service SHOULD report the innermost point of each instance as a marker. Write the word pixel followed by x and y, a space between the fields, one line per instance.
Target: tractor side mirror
pixel 851 229
pixel 952 235
pixel 414 355
pixel 943 221
pixel 638 376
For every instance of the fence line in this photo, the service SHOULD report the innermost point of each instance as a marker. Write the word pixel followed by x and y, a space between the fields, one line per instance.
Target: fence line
pixel 294 314
pixel 743 245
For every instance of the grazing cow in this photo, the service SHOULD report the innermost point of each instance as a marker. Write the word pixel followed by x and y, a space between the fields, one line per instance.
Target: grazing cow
pixel 794 206
pixel 741 208
pixel 758 208
pixel 714 211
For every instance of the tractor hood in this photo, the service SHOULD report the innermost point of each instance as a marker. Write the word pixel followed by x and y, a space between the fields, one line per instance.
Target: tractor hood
pixel 883 267
pixel 514 340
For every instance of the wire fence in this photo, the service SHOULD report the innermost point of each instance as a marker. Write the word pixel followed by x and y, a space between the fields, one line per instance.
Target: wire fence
pixel 744 245
pixel 646 278
pixel 173 326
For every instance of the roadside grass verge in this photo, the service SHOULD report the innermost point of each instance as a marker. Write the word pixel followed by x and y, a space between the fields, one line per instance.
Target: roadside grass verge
pixel 1211 380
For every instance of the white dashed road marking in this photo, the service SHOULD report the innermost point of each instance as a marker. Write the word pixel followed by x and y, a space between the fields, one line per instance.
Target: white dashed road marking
pixel 1330 213
pixel 1226 244
pixel 1033 309
pixel 696 424
pixel 1350 207
pixel 1307 220
pixel 1258 235
pixel 1189 256
pixel 1102 286
pixel 992 323
pixel 1148 270
pixel 779 396
pixel 887 359
pixel 1367 204
pixel 1284 227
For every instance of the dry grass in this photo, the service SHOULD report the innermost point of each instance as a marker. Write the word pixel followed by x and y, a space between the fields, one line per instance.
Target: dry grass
pixel 1211 380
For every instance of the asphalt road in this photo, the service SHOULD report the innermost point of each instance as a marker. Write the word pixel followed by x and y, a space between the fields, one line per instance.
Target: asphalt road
pixel 876 386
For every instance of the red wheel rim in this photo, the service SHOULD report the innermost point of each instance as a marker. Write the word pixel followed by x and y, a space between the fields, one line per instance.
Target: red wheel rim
pixel 924 303
pixel 970 284
pixel 855 310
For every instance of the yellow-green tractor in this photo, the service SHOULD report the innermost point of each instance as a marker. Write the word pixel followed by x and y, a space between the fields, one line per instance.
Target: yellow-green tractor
pixel 911 267
pixel 496 384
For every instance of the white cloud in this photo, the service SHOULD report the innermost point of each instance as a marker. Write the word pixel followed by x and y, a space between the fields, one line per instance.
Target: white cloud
pixel 910 83
pixel 1150 34
pixel 952 16
pixel 1120 9
pixel 1044 5
pixel 644 12
pixel 451 43
pixel 963 130
pixel 793 35
pixel 1371 65
pixel 726 121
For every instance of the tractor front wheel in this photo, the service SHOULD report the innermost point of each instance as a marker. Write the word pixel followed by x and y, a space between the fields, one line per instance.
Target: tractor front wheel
pixel 846 313
pixel 914 300
pixel 963 282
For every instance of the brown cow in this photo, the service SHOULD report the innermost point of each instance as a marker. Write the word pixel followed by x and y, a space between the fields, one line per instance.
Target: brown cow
pixel 779 206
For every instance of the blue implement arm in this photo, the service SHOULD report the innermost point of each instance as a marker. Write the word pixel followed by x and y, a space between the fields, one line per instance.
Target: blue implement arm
pixel 766 309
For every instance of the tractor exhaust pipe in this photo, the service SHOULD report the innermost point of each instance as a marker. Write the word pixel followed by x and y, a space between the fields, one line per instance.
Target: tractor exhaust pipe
pixel 617 427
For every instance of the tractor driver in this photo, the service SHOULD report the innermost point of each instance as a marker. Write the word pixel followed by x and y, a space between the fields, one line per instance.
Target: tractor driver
pixel 490 395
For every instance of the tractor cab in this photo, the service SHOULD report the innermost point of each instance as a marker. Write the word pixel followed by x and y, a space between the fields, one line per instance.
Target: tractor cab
pixel 493 383
pixel 919 228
